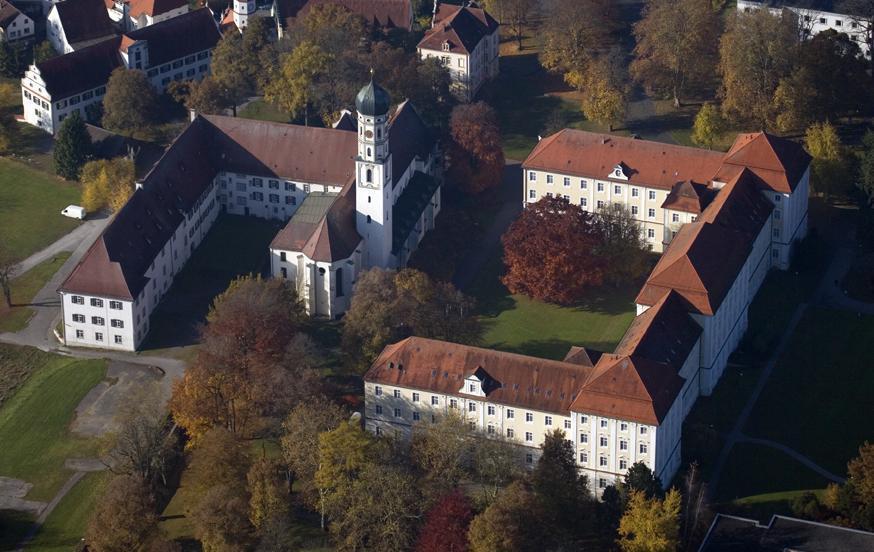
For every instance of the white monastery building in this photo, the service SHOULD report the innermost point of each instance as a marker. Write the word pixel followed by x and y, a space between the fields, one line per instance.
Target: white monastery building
pixel 130 15
pixel 628 406
pixel 14 25
pixel 465 39
pixel 360 195
pixel 820 15
pixel 176 49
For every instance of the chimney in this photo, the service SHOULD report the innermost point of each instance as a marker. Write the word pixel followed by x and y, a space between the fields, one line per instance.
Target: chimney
pixel 434 13
pixel 192 114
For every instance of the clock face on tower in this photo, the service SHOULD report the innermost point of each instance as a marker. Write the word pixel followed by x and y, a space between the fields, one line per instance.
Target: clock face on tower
pixel 368 134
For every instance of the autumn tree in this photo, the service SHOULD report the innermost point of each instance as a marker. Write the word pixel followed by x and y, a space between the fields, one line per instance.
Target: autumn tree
pixel 130 103
pixel 829 168
pixel 604 101
pixel 497 462
pixel 230 70
pixel 43 51
pixel 516 14
pixel 573 32
pixel 300 441
pixel 442 451
pixel 650 524
pixel 866 166
pixel 861 13
pixel 8 268
pixel 477 156
pixel 389 306
pixel 708 126
pixel 566 505
pixel 509 524
pixel 293 87
pixel 851 503
pixel 243 377
pixel 10 60
pixel 221 521
pixel 107 183
pixel 124 517
pixel 268 497
pixel 670 34
pixel 72 147
pixel 446 525
pixel 218 459
pixel 623 249
pixel 343 454
pixel 204 96
pixel 757 50
pixel 549 252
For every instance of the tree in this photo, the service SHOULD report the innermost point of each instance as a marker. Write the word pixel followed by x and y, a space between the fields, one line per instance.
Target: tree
pixel 107 183
pixel 861 13
pixel 509 524
pixel 623 249
pixel 573 32
pixel 343 454
pixel 389 306
pixel 123 518
pixel 130 103
pixel 496 463
pixel 293 88
pixel 221 520
pixel 442 451
pixel 446 525
pixel 267 497
pixel 379 512
pixel 829 166
pixel 639 478
pixel 230 69
pixel 204 96
pixel 8 268
pixel 477 156
pixel 243 377
pixel 549 252
pixel 603 101
pixel 43 51
pixel 757 50
pixel 708 126
pixel 696 508
pixel 860 484
pixel 650 524
pixel 566 505
pixel 300 441
pixel 517 13
pixel 866 166
pixel 671 34
pixel 72 147
pixel 218 459
pixel 9 60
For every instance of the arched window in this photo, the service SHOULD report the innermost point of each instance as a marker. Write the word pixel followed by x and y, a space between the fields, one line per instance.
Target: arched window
pixel 368 219
pixel 338 283
pixel 368 152
pixel 368 199
pixel 379 133
pixel 369 176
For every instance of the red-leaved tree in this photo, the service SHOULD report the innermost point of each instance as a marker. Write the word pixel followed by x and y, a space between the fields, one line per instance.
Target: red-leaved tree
pixel 549 252
pixel 446 524
pixel 476 156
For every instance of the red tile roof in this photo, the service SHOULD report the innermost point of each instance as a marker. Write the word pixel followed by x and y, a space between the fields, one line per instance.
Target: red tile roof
pixel 461 27
pixel 646 163
pixel 779 162
pixel 688 197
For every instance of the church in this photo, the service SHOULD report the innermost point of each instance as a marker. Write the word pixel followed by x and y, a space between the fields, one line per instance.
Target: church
pixel 359 195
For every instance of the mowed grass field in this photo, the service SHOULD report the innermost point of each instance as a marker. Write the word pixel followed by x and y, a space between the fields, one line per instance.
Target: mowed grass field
pixel 24 289
pixel 35 418
pixel 66 525
pixel 30 208
pixel 519 324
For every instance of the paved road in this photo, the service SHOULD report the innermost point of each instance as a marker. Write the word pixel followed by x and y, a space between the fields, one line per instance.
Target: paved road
pixel 794 454
pixel 832 293
pixel 86 232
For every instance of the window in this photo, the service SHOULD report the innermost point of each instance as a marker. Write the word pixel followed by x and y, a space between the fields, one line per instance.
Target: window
pixel 547 420
pixel 396 393
pixel 584 202
pixel 643 448
pixel 600 186
pixel 603 441
pixel 98 321
pixel 650 234
pixel 116 323
pixel 510 433
pixel 634 209
pixel 777 214
pixel 415 416
pixel 415 397
pixel 623 464
pixel 776 232
pixel 623 426
pixel 453 403
pixel 529 437
pixel 567 182
pixel 529 417
pixel 777 198
pixel 549 179
pixel 775 254
pixel 378 431
pixel 274 198
pixel 623 445
pixel 584 419
pixel 635 192
pixel 822 20
pixel 651 194
pixel 532 176
pixel 378 409
pixel 290 200
pixel 435 400
pixel 602 461
pixel 675 217
pixel 397 412
pixel 377 390
pixel 490 409
pixel 600 204
pixel 584 185
pixel 471 387
pixel 584 458
pixel 602 483
pixel 643 430
pixel 529 458
pixel 510 414
pixel 603 423
pixel 584 437
pixel 96 302
pixel 118 340
pixel 617 190
pixel 532 194
pixel 290 187
pixel 491 429
pixel 567 424
pixel 80 318
pixel 98 336
pixel 80 334
pixel 471 407
pixel 115 305
pixel 650 213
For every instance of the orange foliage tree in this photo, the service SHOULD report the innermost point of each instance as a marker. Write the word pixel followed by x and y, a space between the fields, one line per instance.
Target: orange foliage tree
pixel 446 524
pixel 477 159
pixel 549 252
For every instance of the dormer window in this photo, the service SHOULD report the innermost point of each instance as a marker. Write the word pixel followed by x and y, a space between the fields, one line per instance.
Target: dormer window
pixel 446 46
pixel 618 172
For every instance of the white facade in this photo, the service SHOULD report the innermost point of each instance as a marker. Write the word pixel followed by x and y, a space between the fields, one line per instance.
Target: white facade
pixel 120 14
pixel 58 38
pixel 468 71
pixel 813 21
pixel 243 10
pixel 375 195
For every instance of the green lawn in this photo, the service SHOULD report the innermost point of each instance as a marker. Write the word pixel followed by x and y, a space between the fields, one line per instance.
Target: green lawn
pixel 66 525
pixel 263 111
pixel 763 506
pixel 34 420
pixel 519 324
pixel 24 289
pixel 826 369
pixel 30 208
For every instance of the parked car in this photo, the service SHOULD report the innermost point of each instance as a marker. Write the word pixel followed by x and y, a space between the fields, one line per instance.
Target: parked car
pixel 74 211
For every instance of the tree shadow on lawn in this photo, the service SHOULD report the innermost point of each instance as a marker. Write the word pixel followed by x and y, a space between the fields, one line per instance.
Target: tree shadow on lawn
pixel 554 349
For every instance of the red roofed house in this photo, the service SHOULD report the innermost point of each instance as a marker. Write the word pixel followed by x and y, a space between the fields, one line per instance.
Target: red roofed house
pixel 465 39
pixel 722 220
pixel 136 14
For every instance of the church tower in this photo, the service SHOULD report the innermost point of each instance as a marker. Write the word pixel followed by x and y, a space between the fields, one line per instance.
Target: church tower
pixel 373 198
pixel 243 10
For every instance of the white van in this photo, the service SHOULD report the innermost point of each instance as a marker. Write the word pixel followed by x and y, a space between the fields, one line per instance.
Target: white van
pixel 74 211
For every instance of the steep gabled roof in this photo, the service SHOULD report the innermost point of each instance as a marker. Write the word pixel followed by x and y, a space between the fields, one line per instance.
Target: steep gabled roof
pixel 80 70
pixel 664 332
pixel 84 20
pixel 179 36
pixel 582 356
pixel 646 163
pixel 408 138
pixel 409 207
pixel 461 27
pixel 629 388
pixel 780 163
pixel 688 197
pixel 8 13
